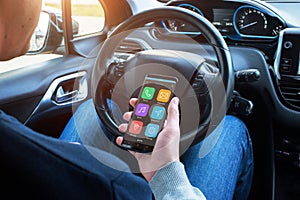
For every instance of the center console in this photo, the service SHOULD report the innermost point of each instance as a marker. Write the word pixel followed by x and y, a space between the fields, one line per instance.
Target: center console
pixel 287 139
pixel 287 67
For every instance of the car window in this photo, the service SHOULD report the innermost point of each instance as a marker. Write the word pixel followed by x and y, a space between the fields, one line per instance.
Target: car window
pixel 43 47
pixel 87 16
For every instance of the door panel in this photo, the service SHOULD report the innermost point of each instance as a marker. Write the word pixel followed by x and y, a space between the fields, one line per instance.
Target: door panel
pixel 24 92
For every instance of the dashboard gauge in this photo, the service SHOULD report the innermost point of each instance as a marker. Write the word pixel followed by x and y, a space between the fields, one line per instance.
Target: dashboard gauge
pixel 175 25
pixel 252 22
pixel 249 21
pixel 180 26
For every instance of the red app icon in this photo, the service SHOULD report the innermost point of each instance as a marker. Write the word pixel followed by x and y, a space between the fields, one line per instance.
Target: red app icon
pixel 135 127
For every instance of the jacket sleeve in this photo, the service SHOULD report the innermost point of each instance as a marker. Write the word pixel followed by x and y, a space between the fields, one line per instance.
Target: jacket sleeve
pixel 171 182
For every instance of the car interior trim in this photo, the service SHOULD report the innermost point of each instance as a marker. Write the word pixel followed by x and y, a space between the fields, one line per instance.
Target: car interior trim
pixel 48 99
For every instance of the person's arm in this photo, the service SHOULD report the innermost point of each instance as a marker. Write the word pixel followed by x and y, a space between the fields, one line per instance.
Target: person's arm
pixel 171 182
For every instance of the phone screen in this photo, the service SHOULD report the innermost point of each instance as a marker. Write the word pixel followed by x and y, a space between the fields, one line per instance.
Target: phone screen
pixel 149 113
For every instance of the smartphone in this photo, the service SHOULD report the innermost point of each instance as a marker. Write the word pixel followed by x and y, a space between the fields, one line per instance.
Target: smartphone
pixel 150 112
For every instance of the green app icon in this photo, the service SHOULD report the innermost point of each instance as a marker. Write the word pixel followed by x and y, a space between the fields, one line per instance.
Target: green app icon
pixel 148 93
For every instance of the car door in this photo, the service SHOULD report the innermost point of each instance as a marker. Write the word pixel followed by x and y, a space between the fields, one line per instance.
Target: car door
pixel 44 87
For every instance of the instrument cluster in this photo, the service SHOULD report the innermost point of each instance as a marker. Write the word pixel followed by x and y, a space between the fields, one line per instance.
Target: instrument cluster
pixel 234 21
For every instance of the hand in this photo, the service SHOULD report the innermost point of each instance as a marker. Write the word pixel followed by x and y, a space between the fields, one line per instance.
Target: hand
pixel 166 149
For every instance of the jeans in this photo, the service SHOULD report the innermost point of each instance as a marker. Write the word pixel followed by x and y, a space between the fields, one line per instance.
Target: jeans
pixel 221 165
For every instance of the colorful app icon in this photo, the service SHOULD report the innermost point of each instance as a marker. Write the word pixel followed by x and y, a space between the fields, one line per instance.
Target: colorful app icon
pixel 158 112
pixel 136 127
pixel 152 130
pixel 148 93
pixel 142 109
pixel 163 95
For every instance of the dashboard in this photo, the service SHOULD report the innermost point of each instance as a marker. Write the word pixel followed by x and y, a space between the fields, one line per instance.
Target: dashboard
pixel 271 27
pixel 261 35
pixel 236 21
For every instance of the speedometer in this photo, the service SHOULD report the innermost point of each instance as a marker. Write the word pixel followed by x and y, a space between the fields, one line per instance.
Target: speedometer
pixel 253 22
pixel 249 21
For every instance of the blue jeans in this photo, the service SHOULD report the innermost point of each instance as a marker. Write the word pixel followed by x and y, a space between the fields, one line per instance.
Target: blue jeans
pixel 222 170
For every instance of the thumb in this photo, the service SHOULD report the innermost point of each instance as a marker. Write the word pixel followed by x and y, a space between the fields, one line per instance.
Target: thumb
pixel 173 113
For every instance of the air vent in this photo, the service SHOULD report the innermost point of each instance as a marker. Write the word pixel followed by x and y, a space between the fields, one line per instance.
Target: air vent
pixel 129 47
pixel 291 93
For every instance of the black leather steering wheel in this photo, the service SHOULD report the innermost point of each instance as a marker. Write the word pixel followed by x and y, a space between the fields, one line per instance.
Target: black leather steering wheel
pixel 110 76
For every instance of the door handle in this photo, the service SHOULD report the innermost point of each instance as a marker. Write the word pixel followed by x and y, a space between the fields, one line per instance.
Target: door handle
pixel 62 96
pixel 70 89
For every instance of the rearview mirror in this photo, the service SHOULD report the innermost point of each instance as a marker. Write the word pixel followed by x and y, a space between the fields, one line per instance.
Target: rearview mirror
pixel 48 35
pixel 40 33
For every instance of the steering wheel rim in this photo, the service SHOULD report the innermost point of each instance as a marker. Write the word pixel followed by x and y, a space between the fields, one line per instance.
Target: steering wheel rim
pixel 101 87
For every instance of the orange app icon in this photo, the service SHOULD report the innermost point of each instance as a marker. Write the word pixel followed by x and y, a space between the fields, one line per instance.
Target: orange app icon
pixel 135 127
pixel 163 95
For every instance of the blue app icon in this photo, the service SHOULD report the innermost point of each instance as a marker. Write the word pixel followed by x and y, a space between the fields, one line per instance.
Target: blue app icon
pixel 158 112
pixel 152 130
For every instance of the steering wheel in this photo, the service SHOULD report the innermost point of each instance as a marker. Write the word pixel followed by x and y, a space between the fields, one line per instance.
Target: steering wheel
pixel 204 90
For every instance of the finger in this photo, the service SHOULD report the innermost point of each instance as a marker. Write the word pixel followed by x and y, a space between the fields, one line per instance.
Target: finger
pixel 133 101
pixel 119 140
pixel 127 116
pixel 123 127
pixel 173 113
